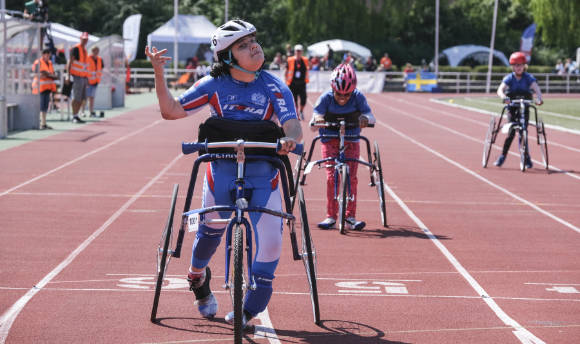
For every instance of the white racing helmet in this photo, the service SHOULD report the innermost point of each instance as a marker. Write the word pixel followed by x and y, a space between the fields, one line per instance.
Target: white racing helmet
pixel 228 33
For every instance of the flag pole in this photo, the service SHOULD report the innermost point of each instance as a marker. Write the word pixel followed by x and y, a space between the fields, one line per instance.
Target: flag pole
pixel 175 44
pixel 491 44
pixel 436 37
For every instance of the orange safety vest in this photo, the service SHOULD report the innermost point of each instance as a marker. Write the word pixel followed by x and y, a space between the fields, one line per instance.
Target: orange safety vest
pixel 80 67
pixel 290 71
pixel 95 70
pixel 46 84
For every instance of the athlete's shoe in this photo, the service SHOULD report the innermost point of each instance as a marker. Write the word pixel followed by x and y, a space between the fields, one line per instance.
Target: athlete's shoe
pixel 499 161
pixel 246 318
pixel 529 162
pixel 328 223
pixel 355 225
pixel 77 119
pixel 206 302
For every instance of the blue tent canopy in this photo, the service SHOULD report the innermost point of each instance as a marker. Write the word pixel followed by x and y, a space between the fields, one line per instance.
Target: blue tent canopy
pixel 455 55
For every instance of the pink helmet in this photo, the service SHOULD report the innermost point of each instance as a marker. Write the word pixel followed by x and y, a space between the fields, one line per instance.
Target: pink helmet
pixel 343 79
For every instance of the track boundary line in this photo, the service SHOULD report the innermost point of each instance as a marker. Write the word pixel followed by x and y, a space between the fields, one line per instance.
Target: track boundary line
pixel 485 124
pixel 437 125
pixel 551 126
pixel 70 162
pixel 483 179
pixel 9 316
pixel 520 332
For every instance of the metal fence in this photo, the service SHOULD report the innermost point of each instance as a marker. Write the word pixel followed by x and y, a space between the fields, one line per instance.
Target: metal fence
pixel 462 82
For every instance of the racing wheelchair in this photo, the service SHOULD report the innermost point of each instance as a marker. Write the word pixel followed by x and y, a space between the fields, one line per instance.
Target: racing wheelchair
pixel 238 275
pixel 521 128
pixel 342 192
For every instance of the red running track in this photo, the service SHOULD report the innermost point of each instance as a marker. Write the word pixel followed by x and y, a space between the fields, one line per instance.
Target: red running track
pixel 472 255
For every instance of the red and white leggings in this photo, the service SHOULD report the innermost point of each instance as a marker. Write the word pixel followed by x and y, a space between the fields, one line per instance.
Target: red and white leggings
pixel 330 149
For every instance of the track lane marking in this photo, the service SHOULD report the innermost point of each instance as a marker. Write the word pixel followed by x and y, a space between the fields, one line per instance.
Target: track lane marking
pixel 9 316
pixel 520 332
pixel 86 155
pixel 466 136
pixel 478 176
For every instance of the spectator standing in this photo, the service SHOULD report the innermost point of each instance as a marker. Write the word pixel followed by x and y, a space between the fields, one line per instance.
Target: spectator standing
pixel 385 63
pixel 96 65
pixel 297 78
pixel 289 51
pixel 44 85
pixel 370 64
pixel 276 63
pixel 408 69
pixel 329 58
pixel 78 68
pixel 315 63
pixel 36 10
pixel 559 68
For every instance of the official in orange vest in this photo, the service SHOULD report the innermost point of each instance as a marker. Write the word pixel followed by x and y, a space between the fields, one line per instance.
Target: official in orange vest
pixel 44 85
pixel 96 66
pixel 297 78
pixel 79 69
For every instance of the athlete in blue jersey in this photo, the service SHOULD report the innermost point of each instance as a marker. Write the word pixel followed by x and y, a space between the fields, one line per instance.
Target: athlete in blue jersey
pixel 343 98
pixel 236 89
pixel 518 84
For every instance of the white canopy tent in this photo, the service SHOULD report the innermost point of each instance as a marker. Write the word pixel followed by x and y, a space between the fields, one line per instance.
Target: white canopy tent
pixel 192 31
pixel 321 48
pixel 65 37
pixel 455 55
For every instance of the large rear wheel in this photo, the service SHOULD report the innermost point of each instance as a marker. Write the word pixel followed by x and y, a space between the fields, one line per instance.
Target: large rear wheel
pixel 342 198
pixel 309 257
pixel 488 143
pixel 380 185
pixel 163 253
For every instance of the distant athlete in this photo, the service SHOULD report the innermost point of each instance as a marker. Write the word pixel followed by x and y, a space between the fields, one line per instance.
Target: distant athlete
pixel 518 84
pixel 343 98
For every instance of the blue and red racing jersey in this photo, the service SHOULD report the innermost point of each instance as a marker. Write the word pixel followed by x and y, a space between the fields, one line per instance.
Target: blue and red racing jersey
pixel 357 102
pixel 266 98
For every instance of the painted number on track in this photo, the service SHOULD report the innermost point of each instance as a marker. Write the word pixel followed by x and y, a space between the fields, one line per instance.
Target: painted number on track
pixel 374 287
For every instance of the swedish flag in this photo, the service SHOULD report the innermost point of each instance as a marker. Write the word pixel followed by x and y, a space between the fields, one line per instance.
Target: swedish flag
pixel 421 82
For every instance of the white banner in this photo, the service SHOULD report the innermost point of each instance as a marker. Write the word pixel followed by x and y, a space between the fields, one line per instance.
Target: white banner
pixel 367 82
pixel 131 28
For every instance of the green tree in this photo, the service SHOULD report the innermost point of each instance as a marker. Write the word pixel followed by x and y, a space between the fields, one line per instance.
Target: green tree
pixel 558 22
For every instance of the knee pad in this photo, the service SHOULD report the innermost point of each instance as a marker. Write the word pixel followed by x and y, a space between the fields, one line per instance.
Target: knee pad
pixel 257 299
pixel 206 242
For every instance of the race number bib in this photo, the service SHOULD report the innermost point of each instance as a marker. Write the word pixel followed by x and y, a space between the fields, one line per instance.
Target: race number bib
pixel 193 222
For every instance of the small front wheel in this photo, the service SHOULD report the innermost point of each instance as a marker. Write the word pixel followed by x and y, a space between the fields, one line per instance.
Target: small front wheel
pixel 488 143
pixel 163 256
pixel 343 198
pixel 238 278
pixel 380 185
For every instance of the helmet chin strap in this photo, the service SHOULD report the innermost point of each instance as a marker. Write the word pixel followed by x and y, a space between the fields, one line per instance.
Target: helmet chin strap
pixel 229 62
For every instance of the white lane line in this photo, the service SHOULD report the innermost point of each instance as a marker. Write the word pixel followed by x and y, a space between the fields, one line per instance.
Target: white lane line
pixel 7 319
pixel 467 136
pixel 485 180
pixel 551 126
pixel 266 330
pixel 494 102
pixel 185 290
pixel 485 124
pixel 520 332
pixel 122 138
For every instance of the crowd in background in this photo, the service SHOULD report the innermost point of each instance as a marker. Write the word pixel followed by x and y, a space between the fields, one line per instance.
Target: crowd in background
pixel 568 67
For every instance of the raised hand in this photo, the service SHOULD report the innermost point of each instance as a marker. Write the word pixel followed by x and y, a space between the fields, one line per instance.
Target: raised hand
pixel 156 57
